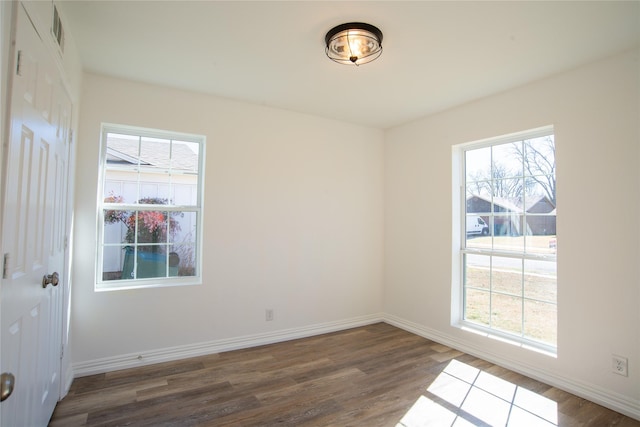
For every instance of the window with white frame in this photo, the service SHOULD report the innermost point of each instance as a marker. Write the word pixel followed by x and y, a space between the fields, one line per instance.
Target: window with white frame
pixel 150 208
pixel 508 241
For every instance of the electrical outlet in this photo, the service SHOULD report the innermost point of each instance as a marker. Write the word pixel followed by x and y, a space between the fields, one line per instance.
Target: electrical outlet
pixel 269 314
pixel 619 365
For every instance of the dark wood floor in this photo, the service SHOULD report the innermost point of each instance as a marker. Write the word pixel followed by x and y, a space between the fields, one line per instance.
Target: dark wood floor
pixel 376 375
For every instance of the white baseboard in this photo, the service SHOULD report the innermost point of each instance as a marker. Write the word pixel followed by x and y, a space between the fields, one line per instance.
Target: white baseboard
pixel 133 360
pixel 591 392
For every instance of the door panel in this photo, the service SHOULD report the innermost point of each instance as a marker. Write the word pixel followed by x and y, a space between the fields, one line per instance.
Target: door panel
pixel 38 204
pixel 33 230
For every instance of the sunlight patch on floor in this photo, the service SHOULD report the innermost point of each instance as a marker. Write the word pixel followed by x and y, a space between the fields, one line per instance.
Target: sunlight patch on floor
pixel 466 396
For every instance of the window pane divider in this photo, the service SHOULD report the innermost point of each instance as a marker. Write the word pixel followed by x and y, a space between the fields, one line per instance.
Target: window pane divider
pixel 148 207
pixel 505 254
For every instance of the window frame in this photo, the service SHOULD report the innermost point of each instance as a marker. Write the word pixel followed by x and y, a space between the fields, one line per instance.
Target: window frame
pixel 460 249
pixel 198 209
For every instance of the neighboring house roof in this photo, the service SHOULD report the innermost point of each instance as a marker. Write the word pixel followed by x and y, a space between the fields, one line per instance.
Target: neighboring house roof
pixel 510 205
pixel 504 203
pixel 515 204
pixel 535 201
pixel 181 156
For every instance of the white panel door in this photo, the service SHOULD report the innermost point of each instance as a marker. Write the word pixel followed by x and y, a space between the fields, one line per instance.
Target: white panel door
pixel 33 231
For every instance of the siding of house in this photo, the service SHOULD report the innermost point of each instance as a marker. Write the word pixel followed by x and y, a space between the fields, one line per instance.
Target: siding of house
pixel 512 223
pixel 542 225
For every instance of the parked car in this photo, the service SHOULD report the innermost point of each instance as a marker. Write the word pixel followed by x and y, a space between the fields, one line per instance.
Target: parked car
pixel 477 225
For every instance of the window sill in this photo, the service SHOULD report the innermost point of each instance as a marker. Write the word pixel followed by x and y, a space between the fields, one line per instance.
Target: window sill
pixel 124 285
pixel 531 345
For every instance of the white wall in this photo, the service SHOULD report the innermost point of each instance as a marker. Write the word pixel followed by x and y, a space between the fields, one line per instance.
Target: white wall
pixel 596 114
pixel 310 217
pixel 293 222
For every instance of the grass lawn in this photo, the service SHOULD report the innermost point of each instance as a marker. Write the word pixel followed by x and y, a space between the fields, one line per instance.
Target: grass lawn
pixel 507 299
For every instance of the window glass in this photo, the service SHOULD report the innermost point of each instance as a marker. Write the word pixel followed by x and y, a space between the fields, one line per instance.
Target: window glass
pixel 151 208
pixel 509 241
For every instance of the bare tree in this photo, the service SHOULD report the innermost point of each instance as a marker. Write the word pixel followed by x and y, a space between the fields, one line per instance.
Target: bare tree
pixel 504 185
pixel 479 184
pixel 539 162
pixel 534 159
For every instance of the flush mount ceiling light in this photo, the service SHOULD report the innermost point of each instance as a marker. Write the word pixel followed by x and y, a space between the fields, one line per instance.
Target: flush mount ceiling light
pixel 353 43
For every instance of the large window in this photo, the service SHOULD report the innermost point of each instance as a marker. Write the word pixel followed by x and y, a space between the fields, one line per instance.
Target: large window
pixel 150 210
pixel 508 241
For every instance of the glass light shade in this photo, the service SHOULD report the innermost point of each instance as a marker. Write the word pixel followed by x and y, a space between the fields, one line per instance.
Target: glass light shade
pixel 353 43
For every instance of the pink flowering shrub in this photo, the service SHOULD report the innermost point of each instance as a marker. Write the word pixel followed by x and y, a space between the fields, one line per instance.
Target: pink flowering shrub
pixel 149 226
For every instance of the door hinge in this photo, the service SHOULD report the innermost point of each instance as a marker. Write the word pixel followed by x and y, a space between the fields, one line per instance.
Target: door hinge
pixel 5 265
pixel 70 136
pixel 66 242
pixel 61 351
pixel 18 63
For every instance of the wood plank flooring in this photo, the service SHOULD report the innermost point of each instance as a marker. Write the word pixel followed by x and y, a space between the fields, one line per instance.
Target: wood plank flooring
pixel 376 375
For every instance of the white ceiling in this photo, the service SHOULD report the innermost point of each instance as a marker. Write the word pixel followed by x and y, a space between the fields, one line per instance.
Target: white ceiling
pixel 436 54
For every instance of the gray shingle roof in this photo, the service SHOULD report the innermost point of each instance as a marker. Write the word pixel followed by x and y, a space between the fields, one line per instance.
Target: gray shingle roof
pixel 162 155
pixel 513 204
